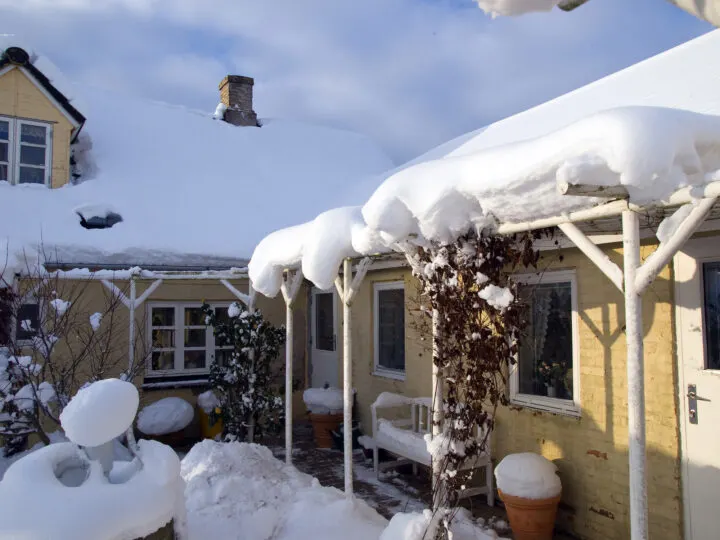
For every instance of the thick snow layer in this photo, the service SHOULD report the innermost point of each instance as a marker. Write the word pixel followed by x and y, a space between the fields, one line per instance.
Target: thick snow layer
pixel 96 509
pixel 413 526
pixel 319 245
pixel 165 416
pixel 207 401
pixel 670 224
pixel 515 7
pixel 100 412
pixel 240 491
pixel 323 400
pixel 528 475
pixel 391 399
pixel 176 162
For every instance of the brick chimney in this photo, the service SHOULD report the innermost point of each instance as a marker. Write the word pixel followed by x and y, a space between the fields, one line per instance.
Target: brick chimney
pixel 236 93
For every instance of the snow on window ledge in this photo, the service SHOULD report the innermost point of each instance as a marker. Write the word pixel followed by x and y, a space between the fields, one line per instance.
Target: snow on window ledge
pixel 564 407
pixel 389 374
pixel 163 382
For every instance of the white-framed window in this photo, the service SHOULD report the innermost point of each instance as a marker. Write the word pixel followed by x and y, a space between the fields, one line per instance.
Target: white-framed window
pixel 547 373
pixel 181 343
pixel 19 324
pixel 25 151
pixel 389 329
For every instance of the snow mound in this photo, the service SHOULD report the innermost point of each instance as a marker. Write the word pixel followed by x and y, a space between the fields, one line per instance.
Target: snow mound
pixel 95 509
pixel 323 400
pixel 165 416
pixel 413 526
pixel 239 490
pixel 100 412
pixel 528 475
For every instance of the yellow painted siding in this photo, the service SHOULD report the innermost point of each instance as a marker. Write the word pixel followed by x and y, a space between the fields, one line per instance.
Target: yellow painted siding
pixel 20 98
pixel 591 452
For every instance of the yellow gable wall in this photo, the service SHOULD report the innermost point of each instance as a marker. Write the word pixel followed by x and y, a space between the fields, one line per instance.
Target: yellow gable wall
pixel 19 97
pixel 591 452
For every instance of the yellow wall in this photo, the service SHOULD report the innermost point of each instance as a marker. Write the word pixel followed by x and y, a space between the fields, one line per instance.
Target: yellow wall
pixel 19 97
pixel 591 452
pixel 91 297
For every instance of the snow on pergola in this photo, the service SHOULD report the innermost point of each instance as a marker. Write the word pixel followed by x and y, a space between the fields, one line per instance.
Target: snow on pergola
pixel 613 164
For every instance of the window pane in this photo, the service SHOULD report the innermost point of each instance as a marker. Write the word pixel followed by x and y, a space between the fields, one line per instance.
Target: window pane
pixel 32 155
pixel 4 152
pixel 163 360
pixel 30 175
pixel 194 317
pixel 163 339
pixel 3 172
pixel 195 338
pixel 4 130
pixel 324 322
pixel 32 134
pixel 545 359
pixel 222 356
pixel 194 359
pixel 28 321
pixel 5 316
pixel 391 329
pixel 711 284
pixel 163 316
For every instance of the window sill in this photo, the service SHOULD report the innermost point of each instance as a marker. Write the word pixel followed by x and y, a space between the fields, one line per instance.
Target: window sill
pixel 552 405
pixel 160 382
pixel 387 374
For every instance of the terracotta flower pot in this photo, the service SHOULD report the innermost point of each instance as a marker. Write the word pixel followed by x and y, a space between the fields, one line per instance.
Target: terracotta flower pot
pixel 322 425
pixel 531 519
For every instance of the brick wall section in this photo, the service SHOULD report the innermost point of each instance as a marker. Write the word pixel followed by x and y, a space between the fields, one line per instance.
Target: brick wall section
pixel 591 452
pixel 236 92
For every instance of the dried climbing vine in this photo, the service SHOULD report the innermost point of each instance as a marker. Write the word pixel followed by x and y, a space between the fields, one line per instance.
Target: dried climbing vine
pixel 477 325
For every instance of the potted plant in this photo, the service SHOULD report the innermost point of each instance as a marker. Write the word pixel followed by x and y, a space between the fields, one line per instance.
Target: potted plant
pixel 530 488
pixel 325 406
pixel 552 374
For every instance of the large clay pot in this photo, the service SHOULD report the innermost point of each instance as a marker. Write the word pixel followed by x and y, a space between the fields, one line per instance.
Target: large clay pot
pixel 530 519
pixel 322 425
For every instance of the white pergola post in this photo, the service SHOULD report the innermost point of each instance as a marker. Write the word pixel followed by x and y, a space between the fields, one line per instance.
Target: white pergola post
pixel 290 289
pixel 636 278
pixel 347 289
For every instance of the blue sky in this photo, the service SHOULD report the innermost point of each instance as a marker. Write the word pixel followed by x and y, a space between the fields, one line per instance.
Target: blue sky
pixel 409 73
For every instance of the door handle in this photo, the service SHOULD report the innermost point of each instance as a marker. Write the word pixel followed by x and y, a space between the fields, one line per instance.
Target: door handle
pixel 693 398
pixel 692 395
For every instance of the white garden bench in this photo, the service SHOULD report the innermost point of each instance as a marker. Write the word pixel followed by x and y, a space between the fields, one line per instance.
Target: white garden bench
pixel 404 437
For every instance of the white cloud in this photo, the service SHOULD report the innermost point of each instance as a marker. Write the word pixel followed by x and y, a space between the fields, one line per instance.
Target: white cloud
pixel 411 73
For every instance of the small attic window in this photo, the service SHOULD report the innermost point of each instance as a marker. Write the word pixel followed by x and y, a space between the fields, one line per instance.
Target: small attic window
pixel 97 217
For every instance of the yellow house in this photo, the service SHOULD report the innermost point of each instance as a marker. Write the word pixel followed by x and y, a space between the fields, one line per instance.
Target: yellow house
pixel 635 461
pixel 150 207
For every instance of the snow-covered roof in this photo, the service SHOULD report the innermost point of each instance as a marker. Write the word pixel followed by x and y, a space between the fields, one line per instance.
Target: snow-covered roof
pixel 638 128
pixel 189 189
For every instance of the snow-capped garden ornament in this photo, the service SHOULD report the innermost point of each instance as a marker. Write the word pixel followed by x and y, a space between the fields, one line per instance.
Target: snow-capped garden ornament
pixel 529 486
pixel 78 494
pixel 166 419
pixel 100 412
pixel 245 383
pixel 472 302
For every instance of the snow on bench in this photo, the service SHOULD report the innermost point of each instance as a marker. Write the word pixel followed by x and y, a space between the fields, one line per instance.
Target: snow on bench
pixel 405 437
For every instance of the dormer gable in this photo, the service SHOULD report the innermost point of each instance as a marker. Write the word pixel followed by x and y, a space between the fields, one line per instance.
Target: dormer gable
pixel 37 124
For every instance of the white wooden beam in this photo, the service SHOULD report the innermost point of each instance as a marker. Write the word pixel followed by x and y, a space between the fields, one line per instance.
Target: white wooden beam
pixel 116 290
pixel 339 288
pixel 362 269
pixel 347 379
pixel 151 289
pixel 289 292
pixel 244 298
pixel 594 253
pixel 664 253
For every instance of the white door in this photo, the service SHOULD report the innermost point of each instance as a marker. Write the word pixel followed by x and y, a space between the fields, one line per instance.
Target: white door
pixel 324 368
pixel 697 293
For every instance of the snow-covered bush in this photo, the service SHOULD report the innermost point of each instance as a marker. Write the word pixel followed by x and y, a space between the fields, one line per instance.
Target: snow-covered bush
pixel 51 344
pixel 246 387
